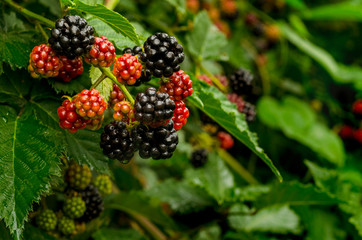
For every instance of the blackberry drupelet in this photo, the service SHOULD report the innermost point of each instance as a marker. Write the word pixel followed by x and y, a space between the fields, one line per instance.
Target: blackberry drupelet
pixel 163 55
pixel 47 220
pixel 249 111
pixel 241 82
pixel 157 143
pixel 72 37
pixel 93 202
pixel 199 157
pixel 117 142
pixel 153 108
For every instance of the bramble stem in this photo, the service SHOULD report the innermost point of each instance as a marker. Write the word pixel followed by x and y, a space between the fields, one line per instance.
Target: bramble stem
pixel 99 80
pixel 30 14
pixel 149 226
pixel 110 75
pixel 214 80
pixel 37 24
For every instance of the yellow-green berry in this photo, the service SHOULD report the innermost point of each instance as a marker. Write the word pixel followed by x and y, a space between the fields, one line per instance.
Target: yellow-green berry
pixel 66 225
pixel 74 207
pixel 78 177
pixel 47 220
pixel 104 184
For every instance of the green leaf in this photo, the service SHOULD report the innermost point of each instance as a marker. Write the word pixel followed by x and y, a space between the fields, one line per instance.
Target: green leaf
pixel 181 196
pixel 46 112
pixel 325 179
pixel 180 6
pixel 28 161
pixel 294 193
pixel 297 4
pixel 209 233
pixel 248 193
pixel 222 111
pixel 215 177
pixel 117 234
pixel 278 219
pixel 13 87
pixel 356 220
pixel 115 20
pixel 205 40
pixel 31 232
pixel 105 87
pixel 138 203
pixel 298 121
pixel 344 11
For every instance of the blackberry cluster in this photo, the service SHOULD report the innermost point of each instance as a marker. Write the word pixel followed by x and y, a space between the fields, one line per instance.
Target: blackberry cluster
pixel 116 142
pixel 78 177
pixel 199 157
pixel 74 207
pixel 241 81
pixel 153 108
pixel 47 220
pixel 66 225
pixel 93 202
pixel 72 37
pixel 158 143
pixel 163 55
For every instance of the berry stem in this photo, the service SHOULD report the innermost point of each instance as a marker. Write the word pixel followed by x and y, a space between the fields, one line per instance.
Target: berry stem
pixel 110 75
pixel 30 14
pixel 99 80
pixel 149 226
pixel 37 24
pixel 213 79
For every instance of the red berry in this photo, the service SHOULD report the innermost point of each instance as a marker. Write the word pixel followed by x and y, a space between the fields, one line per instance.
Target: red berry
pixel 127 69
pixel 206 79
pixel 239 102
pixel 68 118
pixel 357 107
pixel 226 141
pixel 102 53
pixel 179 87
pixel 346 132
pixel 223 80
pixel 95 124
pixel 180 115
pixel 358 135
pixel 123 111
pixel 116 95
pixel 43 62
pixel 89 104
pixel 71 68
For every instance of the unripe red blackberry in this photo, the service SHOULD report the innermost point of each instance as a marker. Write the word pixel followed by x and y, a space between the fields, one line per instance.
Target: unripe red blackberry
pixel 94 203
pixel 78 177
pixel 229 9
pixel 156 143
pixel 102 53
pixel 68 117
pixel 117 142
pixel 272 32
pixel 199 157
pixel 43 62
pixel 358 135
pixel 241 82
pixel 74 207
pixel 47 220
pixel 251 19
pixel 127 69
pixel 179 86
pixel 104 184
pixel 206 79
pixel 239 102
pixel 70 69
pixel 153 108
pixel 223 80
pixel 95 124
pixel 180 115
pixel 123 111
pixel 346 132
pixel 89 104
pixel 193 5
pixel 357 108
pixel 66 226
pixel 163 55
pixel 72 37
pixel 226 141
pixel 116 95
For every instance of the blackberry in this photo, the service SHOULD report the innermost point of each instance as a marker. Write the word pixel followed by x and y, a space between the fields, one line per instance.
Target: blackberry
pixel 69 118
pixel 117 142
pixel 157 143
pixel 357 108
pixel 89 104
pixel 127 69
pixel 47 220
pixel 74 207
pixel 72 37
pixel 66 225
pixel 116 95
pixel 43 62
pixel 226 141
pixel 71 68
pixel 163 55
pixel 123 111
pixel 249 111
pixel 93 202
pixel 104 184
pixel 153 108
pixel 133 51
pixel 145 73
pixel 178 87
pixel 102 53
pixel 78 176
pixel 180 116
pixel 199 157
pixel 95 124
pixel 241 82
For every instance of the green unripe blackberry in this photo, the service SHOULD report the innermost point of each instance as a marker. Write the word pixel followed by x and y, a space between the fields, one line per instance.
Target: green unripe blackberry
pixel 47 220
pixel 74 207
pixel 104 184
pixel 78 177
pixel 66 225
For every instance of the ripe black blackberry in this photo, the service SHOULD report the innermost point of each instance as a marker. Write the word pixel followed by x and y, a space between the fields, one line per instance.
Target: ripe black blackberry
pixel 199 157
pixel 145 73
pixel 157 143
pixel 241 82
pixel 72 37
pixel 249 111
pixel 116 142
pixel 153 108
pixel 133 51
pixel 163 55
pixel 93 202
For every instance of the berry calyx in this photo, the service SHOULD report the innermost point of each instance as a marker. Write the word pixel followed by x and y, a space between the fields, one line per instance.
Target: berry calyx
pixel 179 87
pixel 123 111
pixel 66 225
pixel 199 157
pixel 74 207
pixel 241 82
pixel 89 104
pixel 78 177
pixel 43 62
pixel 72 36
pixel 70 69
pixel 180 115
pixel 104 184
pixel 47 220
pixel 102 53
pixel 127 69
pixel 116 95
pixel 226 141
pixel 68 117
pixel 94 203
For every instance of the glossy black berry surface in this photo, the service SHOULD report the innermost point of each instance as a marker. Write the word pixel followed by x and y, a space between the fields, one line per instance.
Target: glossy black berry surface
pixel 241 82
pixel 93 202
pixel 199 157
